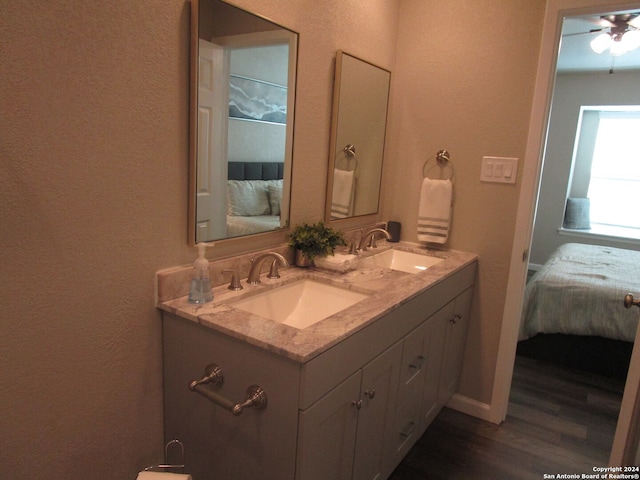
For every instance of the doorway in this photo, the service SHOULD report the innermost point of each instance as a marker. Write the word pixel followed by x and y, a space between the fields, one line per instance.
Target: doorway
pixel 557 10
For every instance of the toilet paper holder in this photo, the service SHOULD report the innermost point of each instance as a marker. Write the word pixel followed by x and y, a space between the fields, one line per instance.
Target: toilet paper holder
pixel 256 397
pixel 167 466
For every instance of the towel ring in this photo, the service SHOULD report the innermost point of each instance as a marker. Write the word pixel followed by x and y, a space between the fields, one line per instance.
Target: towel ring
pixel 348 154
pixel 442 162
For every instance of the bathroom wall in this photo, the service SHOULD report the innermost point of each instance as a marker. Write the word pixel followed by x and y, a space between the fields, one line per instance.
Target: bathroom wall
pixel 464 81
pixel 94 184
pixel 94 191
pixel 94 150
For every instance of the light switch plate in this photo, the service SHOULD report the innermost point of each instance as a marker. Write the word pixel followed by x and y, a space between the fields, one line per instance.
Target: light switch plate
pixel 499 169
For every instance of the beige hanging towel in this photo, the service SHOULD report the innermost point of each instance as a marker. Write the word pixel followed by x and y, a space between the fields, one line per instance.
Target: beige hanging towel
pixel 343 191
pixel 434 212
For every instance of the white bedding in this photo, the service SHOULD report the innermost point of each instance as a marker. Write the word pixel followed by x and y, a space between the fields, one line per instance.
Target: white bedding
pixel 580 291
pixel 240 225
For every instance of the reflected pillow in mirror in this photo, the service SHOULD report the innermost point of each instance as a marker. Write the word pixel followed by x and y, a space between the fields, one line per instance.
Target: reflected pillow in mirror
pixel 275 196
pixel 248 198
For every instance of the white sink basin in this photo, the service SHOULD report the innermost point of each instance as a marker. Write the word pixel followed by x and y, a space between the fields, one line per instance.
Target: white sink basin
pixel 400 260
pixel 300 304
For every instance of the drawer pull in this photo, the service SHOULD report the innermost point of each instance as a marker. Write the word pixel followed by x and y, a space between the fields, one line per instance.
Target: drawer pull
pixel 370 393
pixel 408 429
pixel 418 362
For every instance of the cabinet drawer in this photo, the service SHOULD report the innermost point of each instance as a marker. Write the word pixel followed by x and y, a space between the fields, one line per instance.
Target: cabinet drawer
pixel 422 353
pixel 406 427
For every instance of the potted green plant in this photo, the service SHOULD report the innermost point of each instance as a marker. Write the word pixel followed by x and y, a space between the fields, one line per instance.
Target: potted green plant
pixel 315 240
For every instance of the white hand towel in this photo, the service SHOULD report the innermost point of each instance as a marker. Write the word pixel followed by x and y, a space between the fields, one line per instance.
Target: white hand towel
pixel 342 196
pixel 434 212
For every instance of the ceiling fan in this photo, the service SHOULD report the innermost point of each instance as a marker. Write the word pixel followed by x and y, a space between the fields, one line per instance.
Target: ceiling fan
pixel 618 33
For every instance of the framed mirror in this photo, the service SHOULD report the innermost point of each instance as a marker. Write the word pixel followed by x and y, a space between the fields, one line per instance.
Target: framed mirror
pixel 243 79
pixel 360 102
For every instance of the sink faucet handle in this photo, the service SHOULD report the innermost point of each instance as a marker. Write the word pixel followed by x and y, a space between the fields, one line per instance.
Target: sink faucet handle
pixel 235 280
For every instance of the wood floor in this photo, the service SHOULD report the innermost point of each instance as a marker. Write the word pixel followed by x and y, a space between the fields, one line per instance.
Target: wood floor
pixel 559 421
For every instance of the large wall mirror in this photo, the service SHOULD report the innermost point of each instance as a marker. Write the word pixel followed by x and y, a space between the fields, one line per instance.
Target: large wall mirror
pixel 360 100
pixel 243 73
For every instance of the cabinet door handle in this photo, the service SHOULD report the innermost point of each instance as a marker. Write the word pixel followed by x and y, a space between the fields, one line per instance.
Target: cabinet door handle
pixel 418 362
pixel 408 429
pixel 629 301
pixel 455 318
pixel 357 403
pixel 370 393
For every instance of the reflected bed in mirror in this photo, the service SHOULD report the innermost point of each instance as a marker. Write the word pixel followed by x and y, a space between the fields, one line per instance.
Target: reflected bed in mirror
pixel 360 100
pixel 243 74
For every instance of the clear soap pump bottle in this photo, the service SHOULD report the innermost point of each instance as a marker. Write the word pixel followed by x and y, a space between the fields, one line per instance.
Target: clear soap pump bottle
pixel 200 291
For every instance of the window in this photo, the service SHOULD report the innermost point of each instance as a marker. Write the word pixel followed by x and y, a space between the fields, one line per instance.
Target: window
pixel 607 168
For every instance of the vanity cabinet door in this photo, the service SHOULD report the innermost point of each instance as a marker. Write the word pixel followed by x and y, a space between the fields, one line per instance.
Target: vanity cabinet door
pixel 378 395
pixel 346 434
pixel 327 433
pixel 455 340
pixel 436 331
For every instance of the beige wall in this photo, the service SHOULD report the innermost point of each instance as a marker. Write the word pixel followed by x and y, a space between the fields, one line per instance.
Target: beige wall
pixel 94 116
pixel 465 86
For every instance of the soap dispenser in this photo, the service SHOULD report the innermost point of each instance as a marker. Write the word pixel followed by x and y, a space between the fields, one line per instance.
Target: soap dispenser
pixel 200 291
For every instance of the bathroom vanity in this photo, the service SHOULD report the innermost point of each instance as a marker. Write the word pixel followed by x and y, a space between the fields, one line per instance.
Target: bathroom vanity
pixel 346 397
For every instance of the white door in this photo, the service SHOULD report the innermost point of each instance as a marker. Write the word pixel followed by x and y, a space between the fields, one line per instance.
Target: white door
pixel 213 95
pixel 625 443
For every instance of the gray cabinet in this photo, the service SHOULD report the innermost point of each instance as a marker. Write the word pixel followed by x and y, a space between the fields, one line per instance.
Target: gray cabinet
pixel 352 412
pixel 420 373
pixel 218 445
pixel 344 435
pixel 455 337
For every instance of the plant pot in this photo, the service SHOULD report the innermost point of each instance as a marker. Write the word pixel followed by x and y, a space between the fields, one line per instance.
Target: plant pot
pixel 302 260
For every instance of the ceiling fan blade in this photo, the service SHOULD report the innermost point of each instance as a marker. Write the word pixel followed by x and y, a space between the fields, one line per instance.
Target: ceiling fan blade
pixel 590 32
pixel 607 22
pixel 635 21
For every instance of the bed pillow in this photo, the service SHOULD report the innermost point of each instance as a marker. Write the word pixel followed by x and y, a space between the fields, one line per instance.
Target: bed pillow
pixel 248 198
pixel 576 216
pixel 275 196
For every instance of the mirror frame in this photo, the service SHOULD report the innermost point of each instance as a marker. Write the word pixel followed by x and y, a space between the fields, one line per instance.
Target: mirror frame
pixel 334 148
pixel 277 234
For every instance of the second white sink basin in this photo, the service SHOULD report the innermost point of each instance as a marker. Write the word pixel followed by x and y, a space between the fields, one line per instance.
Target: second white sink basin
pixel 400 260
pixel 300 304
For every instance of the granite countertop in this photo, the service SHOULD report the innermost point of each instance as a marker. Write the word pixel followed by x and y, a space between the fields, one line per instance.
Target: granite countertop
pixel 387 290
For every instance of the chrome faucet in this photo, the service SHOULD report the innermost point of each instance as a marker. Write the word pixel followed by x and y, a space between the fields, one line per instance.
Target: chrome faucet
pixel 256 265
pixel 370 237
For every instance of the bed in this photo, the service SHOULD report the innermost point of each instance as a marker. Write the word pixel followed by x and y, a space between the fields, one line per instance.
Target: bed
pixel 254 194
pixel 573 308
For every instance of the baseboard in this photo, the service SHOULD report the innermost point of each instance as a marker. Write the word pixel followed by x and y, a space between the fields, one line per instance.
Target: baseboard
pixel 469 406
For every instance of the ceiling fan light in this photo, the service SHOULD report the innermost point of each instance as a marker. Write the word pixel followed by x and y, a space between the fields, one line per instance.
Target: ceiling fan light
pixel 631 40
pixel 601 43
pixel 617 48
